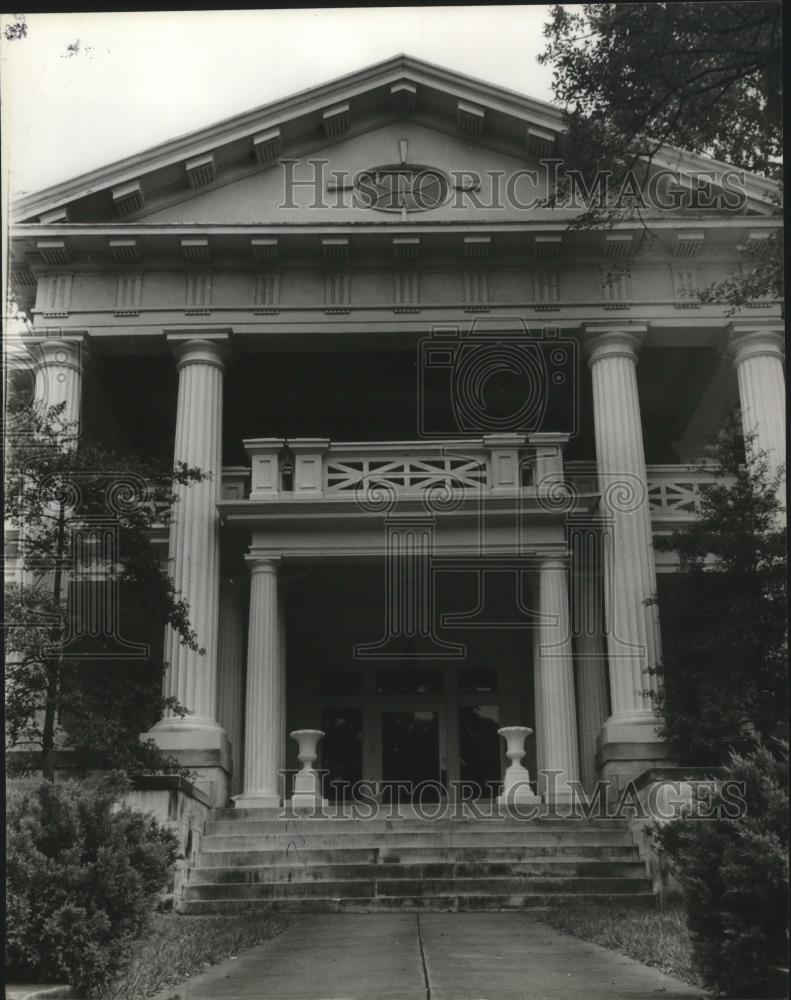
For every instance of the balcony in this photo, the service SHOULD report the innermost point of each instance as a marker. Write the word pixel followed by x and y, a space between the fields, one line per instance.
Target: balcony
pixel 313 468
pixel 306 469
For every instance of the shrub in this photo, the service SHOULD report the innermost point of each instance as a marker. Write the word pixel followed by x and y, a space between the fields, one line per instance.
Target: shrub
pixel 735 874
pixel 82 875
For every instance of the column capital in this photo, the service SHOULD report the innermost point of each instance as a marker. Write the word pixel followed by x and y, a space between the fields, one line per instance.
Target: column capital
pixel 60 350
pixel 211 347
pixel 622 340
pixel 553 561
pixel 263 564
pixel 753 339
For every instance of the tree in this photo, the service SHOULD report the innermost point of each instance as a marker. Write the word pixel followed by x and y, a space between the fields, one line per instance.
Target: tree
pixel 637 78
pixel 724 614
pixel 83 872
pixel 732 858
pixel 84 517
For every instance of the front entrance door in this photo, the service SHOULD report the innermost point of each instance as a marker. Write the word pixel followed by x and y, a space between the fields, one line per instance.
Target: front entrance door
pixel 413 748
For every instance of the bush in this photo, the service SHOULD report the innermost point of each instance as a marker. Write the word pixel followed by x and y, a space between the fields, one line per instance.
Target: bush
pixel 735 875
pixel 82 875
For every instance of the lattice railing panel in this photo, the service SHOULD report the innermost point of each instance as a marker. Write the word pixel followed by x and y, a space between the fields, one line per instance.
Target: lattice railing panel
pixel 681 497
pixel 405 473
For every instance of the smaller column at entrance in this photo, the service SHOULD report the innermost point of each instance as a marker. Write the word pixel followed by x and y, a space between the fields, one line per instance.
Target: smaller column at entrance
pixel 265 724
pixel 555 710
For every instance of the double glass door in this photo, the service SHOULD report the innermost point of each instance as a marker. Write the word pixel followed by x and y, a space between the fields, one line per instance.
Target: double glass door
pixel 412 742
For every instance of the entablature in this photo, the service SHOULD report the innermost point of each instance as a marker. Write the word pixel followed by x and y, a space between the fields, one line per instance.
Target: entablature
pixel 535 265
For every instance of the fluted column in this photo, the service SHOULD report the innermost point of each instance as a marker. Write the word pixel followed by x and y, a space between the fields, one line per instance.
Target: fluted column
pixel 231 662
pixel 265 724
pixel 632 626
pixel 556 724
pixel 281 608
pixel 758 358
pixel 590 675
pixel 586 536
pixel 195 547
pixel 57 370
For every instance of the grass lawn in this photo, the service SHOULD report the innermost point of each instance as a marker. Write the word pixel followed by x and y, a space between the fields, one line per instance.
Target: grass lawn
pixel 176 948
pixel 654 937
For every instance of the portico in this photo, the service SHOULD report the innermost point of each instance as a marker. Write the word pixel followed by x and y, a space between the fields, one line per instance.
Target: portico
pixel 395 543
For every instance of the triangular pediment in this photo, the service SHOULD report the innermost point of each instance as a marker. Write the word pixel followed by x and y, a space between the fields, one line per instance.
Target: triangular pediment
pixel 399 89
pixel 233 171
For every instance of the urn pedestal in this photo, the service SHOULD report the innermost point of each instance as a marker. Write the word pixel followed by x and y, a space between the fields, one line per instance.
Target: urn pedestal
pixel 307 782
pixel 517 789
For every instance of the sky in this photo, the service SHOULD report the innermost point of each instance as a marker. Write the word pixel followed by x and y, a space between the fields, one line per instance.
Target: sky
pixel 81 90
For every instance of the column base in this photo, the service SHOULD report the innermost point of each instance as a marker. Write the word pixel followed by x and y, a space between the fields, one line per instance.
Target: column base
pixel 631 727
pixel 257 800
pixel 189 734
pixel 198 745
pixel 626 748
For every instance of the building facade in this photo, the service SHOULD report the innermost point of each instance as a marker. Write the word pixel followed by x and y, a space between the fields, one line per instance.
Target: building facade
pixel 443 425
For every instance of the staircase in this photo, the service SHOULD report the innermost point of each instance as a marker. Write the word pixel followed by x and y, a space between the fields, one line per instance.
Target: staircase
pixel 250 860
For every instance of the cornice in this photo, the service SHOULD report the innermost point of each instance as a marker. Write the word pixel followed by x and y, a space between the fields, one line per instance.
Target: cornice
pixel 555 220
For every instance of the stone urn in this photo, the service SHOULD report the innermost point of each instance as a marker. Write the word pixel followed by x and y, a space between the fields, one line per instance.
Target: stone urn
pixel 307 783
pixel 516 787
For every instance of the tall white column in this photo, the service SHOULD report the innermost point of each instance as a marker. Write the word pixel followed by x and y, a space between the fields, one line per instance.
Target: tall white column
pixel 230 665
pixel 556 724
pixel 632 626
pixel 58 366
pixel 195 548
pixel 265 724
pixel 758 358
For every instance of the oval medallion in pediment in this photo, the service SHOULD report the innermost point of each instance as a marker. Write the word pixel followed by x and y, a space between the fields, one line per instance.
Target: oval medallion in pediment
pixel 403 187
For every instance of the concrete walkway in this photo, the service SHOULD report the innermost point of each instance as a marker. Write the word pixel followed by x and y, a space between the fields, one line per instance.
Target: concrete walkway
pixel 428 956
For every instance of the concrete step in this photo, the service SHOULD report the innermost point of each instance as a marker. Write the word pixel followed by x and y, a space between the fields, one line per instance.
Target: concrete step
pixel 430 838
pixel 370 888
pixel 448 869
pixel 483 812
pixel 255 860
pixel 389 854
pixel 249 826
pixel 450 902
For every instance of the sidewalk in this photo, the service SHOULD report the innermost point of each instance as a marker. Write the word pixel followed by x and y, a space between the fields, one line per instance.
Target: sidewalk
pixel 429 956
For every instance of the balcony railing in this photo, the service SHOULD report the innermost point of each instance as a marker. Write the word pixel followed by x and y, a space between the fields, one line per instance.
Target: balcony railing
pixel 674 491
pixel 311 468
pixel 315 467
